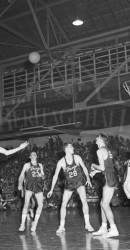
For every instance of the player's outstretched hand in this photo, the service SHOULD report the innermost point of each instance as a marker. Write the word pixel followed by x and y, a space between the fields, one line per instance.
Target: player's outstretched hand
pixel 88 182
pixel 49 194
pixel 20 188
pixel 92 173
pixel 92 166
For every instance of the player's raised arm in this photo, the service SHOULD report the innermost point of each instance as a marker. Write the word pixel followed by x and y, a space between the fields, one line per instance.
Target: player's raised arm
pixel 55 177
pixel 14 150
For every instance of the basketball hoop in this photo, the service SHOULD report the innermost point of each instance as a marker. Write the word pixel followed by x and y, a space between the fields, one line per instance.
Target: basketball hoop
pixel 126 86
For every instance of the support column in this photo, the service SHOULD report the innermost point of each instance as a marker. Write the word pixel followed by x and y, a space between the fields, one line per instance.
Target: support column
pixel 73 78
pixel 1 96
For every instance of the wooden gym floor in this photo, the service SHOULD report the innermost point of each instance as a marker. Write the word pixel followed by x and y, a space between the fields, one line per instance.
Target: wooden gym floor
pixel 75 237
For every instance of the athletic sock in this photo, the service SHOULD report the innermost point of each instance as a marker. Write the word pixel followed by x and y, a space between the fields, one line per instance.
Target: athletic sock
pixel 23 219
pixel 62 223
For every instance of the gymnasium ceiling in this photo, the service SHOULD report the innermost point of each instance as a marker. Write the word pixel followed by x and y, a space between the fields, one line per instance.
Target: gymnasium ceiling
pixel 46 26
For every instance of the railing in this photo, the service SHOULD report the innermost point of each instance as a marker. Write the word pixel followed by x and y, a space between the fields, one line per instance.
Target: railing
pixel 89 66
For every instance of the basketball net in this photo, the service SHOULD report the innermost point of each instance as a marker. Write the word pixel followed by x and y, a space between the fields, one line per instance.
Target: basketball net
pixel 126 86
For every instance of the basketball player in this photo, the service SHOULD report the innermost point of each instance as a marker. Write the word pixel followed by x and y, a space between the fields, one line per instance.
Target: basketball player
pixel 33 175
pixel 105 159
pixel 74 170
pixel 14 150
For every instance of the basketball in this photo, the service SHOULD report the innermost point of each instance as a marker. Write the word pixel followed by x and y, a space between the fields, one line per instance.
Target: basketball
pixel 34 57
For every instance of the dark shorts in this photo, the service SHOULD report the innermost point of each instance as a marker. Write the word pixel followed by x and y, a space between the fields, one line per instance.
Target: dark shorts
pixel 34 185
pixel 112 179
pixel 74 184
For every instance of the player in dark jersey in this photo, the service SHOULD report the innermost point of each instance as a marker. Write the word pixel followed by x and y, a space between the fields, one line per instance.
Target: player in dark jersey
pixel 105 165
pixel 74 170
pixel 33 175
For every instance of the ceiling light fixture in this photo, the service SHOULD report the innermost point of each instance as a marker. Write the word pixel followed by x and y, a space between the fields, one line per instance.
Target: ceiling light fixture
pixel 77 21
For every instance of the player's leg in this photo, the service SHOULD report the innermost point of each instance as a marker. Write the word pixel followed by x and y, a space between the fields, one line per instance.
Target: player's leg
pixel 107 196
pixel 103 228
pixel 66 196
pixel 27 198
pixel 32 206
pixel 106 213
pixel 82 194
pixel 39 198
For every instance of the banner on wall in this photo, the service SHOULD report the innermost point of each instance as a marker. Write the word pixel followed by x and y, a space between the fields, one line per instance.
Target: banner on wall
pixel 78 121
